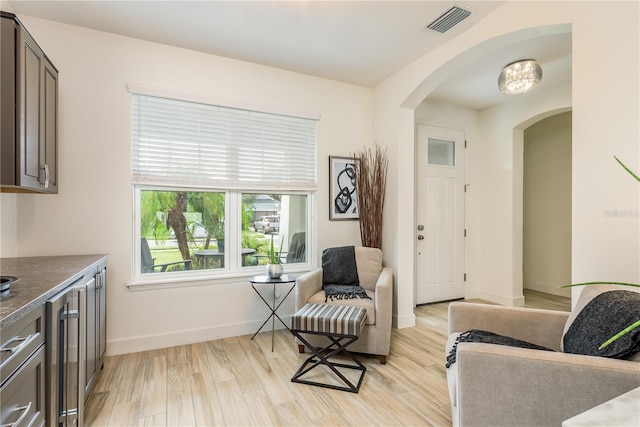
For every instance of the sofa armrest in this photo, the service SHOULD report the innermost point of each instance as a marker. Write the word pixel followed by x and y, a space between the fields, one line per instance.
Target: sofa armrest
pixel 307 285
pixel 542 327
pixel 500 385
pixel 384 298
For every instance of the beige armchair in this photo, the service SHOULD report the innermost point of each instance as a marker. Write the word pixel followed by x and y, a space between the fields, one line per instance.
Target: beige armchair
pixel 378 282
pixel 508 386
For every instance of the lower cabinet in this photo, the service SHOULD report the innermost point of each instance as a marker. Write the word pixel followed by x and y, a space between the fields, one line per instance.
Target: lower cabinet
pixel 51 357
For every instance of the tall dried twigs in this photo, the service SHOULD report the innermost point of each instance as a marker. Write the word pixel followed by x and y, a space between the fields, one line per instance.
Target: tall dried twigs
pixel 371 178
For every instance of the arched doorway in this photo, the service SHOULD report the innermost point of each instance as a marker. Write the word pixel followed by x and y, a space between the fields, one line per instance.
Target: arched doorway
pixel 494 254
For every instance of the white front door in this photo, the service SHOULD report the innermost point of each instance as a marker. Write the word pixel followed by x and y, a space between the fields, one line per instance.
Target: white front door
pixel 440 230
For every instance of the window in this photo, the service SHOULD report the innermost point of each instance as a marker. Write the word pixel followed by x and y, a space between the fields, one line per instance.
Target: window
pixel 215 186
pixel 441 152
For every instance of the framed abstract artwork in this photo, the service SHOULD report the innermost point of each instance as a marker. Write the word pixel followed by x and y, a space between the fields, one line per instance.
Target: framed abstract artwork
pixel 343 196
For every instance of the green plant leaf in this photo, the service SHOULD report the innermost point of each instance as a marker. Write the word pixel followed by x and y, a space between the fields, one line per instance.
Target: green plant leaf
pixel 637 285
pixel 275 257
pixel 627 169
pixel 620 334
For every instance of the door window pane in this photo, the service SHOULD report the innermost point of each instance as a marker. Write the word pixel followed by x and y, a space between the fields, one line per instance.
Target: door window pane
pixel 441 152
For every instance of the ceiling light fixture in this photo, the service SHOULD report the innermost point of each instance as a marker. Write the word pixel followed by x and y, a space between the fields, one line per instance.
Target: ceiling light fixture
pixel 519 77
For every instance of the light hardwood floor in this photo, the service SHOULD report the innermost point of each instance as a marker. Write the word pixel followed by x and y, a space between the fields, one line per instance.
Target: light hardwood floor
pixel 240 382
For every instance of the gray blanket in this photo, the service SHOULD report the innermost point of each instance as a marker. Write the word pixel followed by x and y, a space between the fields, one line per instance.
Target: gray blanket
pixel 340 274
pixel 339 292
pixel 477 335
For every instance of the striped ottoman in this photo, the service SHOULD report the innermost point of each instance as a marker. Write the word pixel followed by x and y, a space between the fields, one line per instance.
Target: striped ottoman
pixel 342 325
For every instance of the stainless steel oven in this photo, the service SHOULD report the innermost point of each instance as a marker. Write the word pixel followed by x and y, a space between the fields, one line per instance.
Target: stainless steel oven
pixel 66 323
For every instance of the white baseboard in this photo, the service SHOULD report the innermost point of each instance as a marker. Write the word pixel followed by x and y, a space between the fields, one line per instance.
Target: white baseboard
pixel 406 321
pixel 553 290
pixel 153 342
pixel 497 298
pixel 172 339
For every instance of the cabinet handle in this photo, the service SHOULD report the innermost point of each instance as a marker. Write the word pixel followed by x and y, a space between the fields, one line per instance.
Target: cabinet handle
pixel 101 279
pixel 25 410
pixel 25 341
pixel 46 175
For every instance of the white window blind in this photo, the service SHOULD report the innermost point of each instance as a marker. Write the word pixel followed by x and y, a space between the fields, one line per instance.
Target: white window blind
pixel 194 144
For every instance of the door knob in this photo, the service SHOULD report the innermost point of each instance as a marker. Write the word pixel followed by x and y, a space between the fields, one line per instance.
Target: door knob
pixel 420 237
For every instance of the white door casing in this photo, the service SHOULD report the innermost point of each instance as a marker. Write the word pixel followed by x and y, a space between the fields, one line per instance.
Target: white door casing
pixel 440 188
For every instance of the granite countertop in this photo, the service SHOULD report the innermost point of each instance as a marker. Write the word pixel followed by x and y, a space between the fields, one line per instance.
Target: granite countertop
pixel 40 279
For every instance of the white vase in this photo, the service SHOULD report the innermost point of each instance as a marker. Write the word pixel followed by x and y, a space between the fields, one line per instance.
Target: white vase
pixel 274 271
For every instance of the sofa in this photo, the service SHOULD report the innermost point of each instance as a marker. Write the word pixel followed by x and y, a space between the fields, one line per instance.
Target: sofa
pixel 498 385
pixel 377 280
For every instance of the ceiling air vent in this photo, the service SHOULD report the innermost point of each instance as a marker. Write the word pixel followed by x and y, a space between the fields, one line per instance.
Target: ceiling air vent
pixel 448 20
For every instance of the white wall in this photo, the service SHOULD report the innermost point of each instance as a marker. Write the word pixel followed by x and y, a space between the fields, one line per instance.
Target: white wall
pixel 447 115
pixel 604 91
pixel 93 211
pixel 4 5
pixel 605 123
pixel 8 221
pixel 547 205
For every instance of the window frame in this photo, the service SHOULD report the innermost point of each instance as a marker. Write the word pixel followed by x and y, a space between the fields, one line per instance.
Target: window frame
pixel 233 271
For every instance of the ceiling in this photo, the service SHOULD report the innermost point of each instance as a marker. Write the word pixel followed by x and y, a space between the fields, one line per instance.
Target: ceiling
pixel 356 42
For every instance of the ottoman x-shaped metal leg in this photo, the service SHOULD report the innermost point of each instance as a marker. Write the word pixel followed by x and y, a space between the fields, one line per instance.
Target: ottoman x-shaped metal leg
pixel 321 357
pixel 342 326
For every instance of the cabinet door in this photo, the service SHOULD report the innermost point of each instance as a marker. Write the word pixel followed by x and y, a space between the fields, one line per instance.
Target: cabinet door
pixel 37 95
pixel 49 129
pixel 7 100
pixel 28 114
pixel 90 337
pixel 29 78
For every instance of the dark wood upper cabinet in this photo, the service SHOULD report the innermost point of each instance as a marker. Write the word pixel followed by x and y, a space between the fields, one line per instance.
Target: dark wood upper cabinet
pixel 29 112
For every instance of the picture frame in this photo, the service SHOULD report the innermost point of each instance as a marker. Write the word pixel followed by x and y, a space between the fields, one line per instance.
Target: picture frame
pixel 343 192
